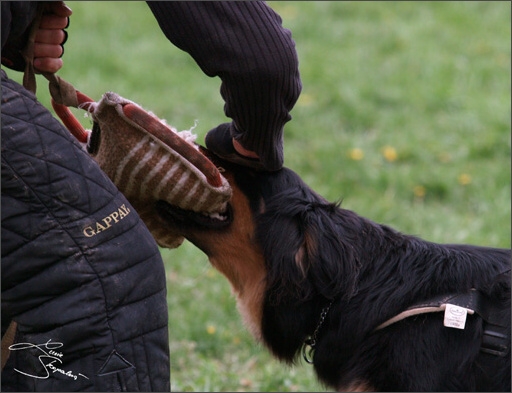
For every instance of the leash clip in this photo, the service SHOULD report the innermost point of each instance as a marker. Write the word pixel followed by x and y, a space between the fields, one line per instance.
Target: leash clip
pixel 311 340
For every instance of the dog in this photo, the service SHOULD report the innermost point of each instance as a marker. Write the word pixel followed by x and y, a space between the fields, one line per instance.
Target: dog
pixel 359 300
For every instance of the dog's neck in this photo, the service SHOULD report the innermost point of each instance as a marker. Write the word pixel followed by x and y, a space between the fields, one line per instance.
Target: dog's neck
pixel 234 255
pixel 248 286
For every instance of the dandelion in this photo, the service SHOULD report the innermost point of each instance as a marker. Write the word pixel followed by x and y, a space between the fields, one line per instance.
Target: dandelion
pixel 210 329
pixel 419 191
pixel 389 153
pixel 356 154
pixel 287 12
pixel 305 99
pixel 464 179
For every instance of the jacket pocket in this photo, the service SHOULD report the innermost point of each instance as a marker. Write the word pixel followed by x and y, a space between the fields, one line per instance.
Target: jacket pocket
pixel 120 371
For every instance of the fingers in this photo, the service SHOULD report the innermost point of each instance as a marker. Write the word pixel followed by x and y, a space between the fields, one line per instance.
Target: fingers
pixel 50 37
pixel 51 21
pixel 56 16
pixel 46 50
pixel 48 64
pixel 58 8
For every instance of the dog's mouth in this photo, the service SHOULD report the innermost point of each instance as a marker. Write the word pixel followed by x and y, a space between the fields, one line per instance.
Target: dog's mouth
pixel 182 218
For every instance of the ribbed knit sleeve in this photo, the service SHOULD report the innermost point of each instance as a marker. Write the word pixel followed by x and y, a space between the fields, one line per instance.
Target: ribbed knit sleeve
pixel 245 44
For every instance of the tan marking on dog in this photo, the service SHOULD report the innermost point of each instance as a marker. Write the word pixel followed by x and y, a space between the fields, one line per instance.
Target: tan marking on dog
pixel 235 253
pixel 299 260
pixel 305 253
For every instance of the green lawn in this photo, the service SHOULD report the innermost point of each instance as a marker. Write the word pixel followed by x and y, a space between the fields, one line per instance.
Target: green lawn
pixel 405 116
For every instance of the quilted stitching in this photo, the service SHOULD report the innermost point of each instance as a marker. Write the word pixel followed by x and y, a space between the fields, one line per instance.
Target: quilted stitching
pixel 58 282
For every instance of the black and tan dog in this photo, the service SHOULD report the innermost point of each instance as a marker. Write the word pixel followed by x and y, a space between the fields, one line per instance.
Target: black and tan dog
pixel 360 300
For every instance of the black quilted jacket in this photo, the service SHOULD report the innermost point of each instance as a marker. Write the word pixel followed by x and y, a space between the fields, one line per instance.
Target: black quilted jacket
pixel 81 274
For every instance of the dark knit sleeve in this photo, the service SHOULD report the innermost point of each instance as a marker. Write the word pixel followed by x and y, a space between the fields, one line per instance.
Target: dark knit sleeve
pixel 245 44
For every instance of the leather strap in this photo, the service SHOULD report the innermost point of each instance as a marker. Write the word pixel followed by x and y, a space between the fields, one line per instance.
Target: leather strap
pixel 496 335
pixel 470 301
pixel 29 76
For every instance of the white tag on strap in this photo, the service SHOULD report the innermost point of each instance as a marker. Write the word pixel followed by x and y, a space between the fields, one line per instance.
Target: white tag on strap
pixel 455 316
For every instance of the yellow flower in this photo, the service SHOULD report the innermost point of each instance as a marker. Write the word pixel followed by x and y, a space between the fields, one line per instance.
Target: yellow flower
pixel 356 154
pixel 464 179
pixel 389 153
pixel 305 99
pixel 419 191
pixel 210 329
pixel 287 11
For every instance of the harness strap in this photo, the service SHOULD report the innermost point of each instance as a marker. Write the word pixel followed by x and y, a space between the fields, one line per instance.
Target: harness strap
pixel 470 301
pixel 495 340
pixel 496 336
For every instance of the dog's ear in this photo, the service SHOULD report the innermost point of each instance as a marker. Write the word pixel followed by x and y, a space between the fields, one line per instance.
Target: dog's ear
pixel 305 249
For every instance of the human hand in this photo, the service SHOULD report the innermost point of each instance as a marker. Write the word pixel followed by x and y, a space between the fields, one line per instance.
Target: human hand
pixel 51 36
pixel 220 141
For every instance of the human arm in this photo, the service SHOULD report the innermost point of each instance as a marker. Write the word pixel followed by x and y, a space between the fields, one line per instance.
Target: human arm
pixel 245 45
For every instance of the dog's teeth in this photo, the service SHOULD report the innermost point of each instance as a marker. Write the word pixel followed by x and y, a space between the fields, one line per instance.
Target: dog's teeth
pixel 217 216
pixel 214 216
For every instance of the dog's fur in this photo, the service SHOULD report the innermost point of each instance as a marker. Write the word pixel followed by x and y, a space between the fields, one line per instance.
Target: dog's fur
pixel 287 253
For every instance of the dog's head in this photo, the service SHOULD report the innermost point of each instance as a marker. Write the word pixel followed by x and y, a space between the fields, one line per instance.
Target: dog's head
pixel 278 242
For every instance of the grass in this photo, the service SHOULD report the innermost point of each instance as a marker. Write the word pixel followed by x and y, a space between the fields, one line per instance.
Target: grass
pixel 404 115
